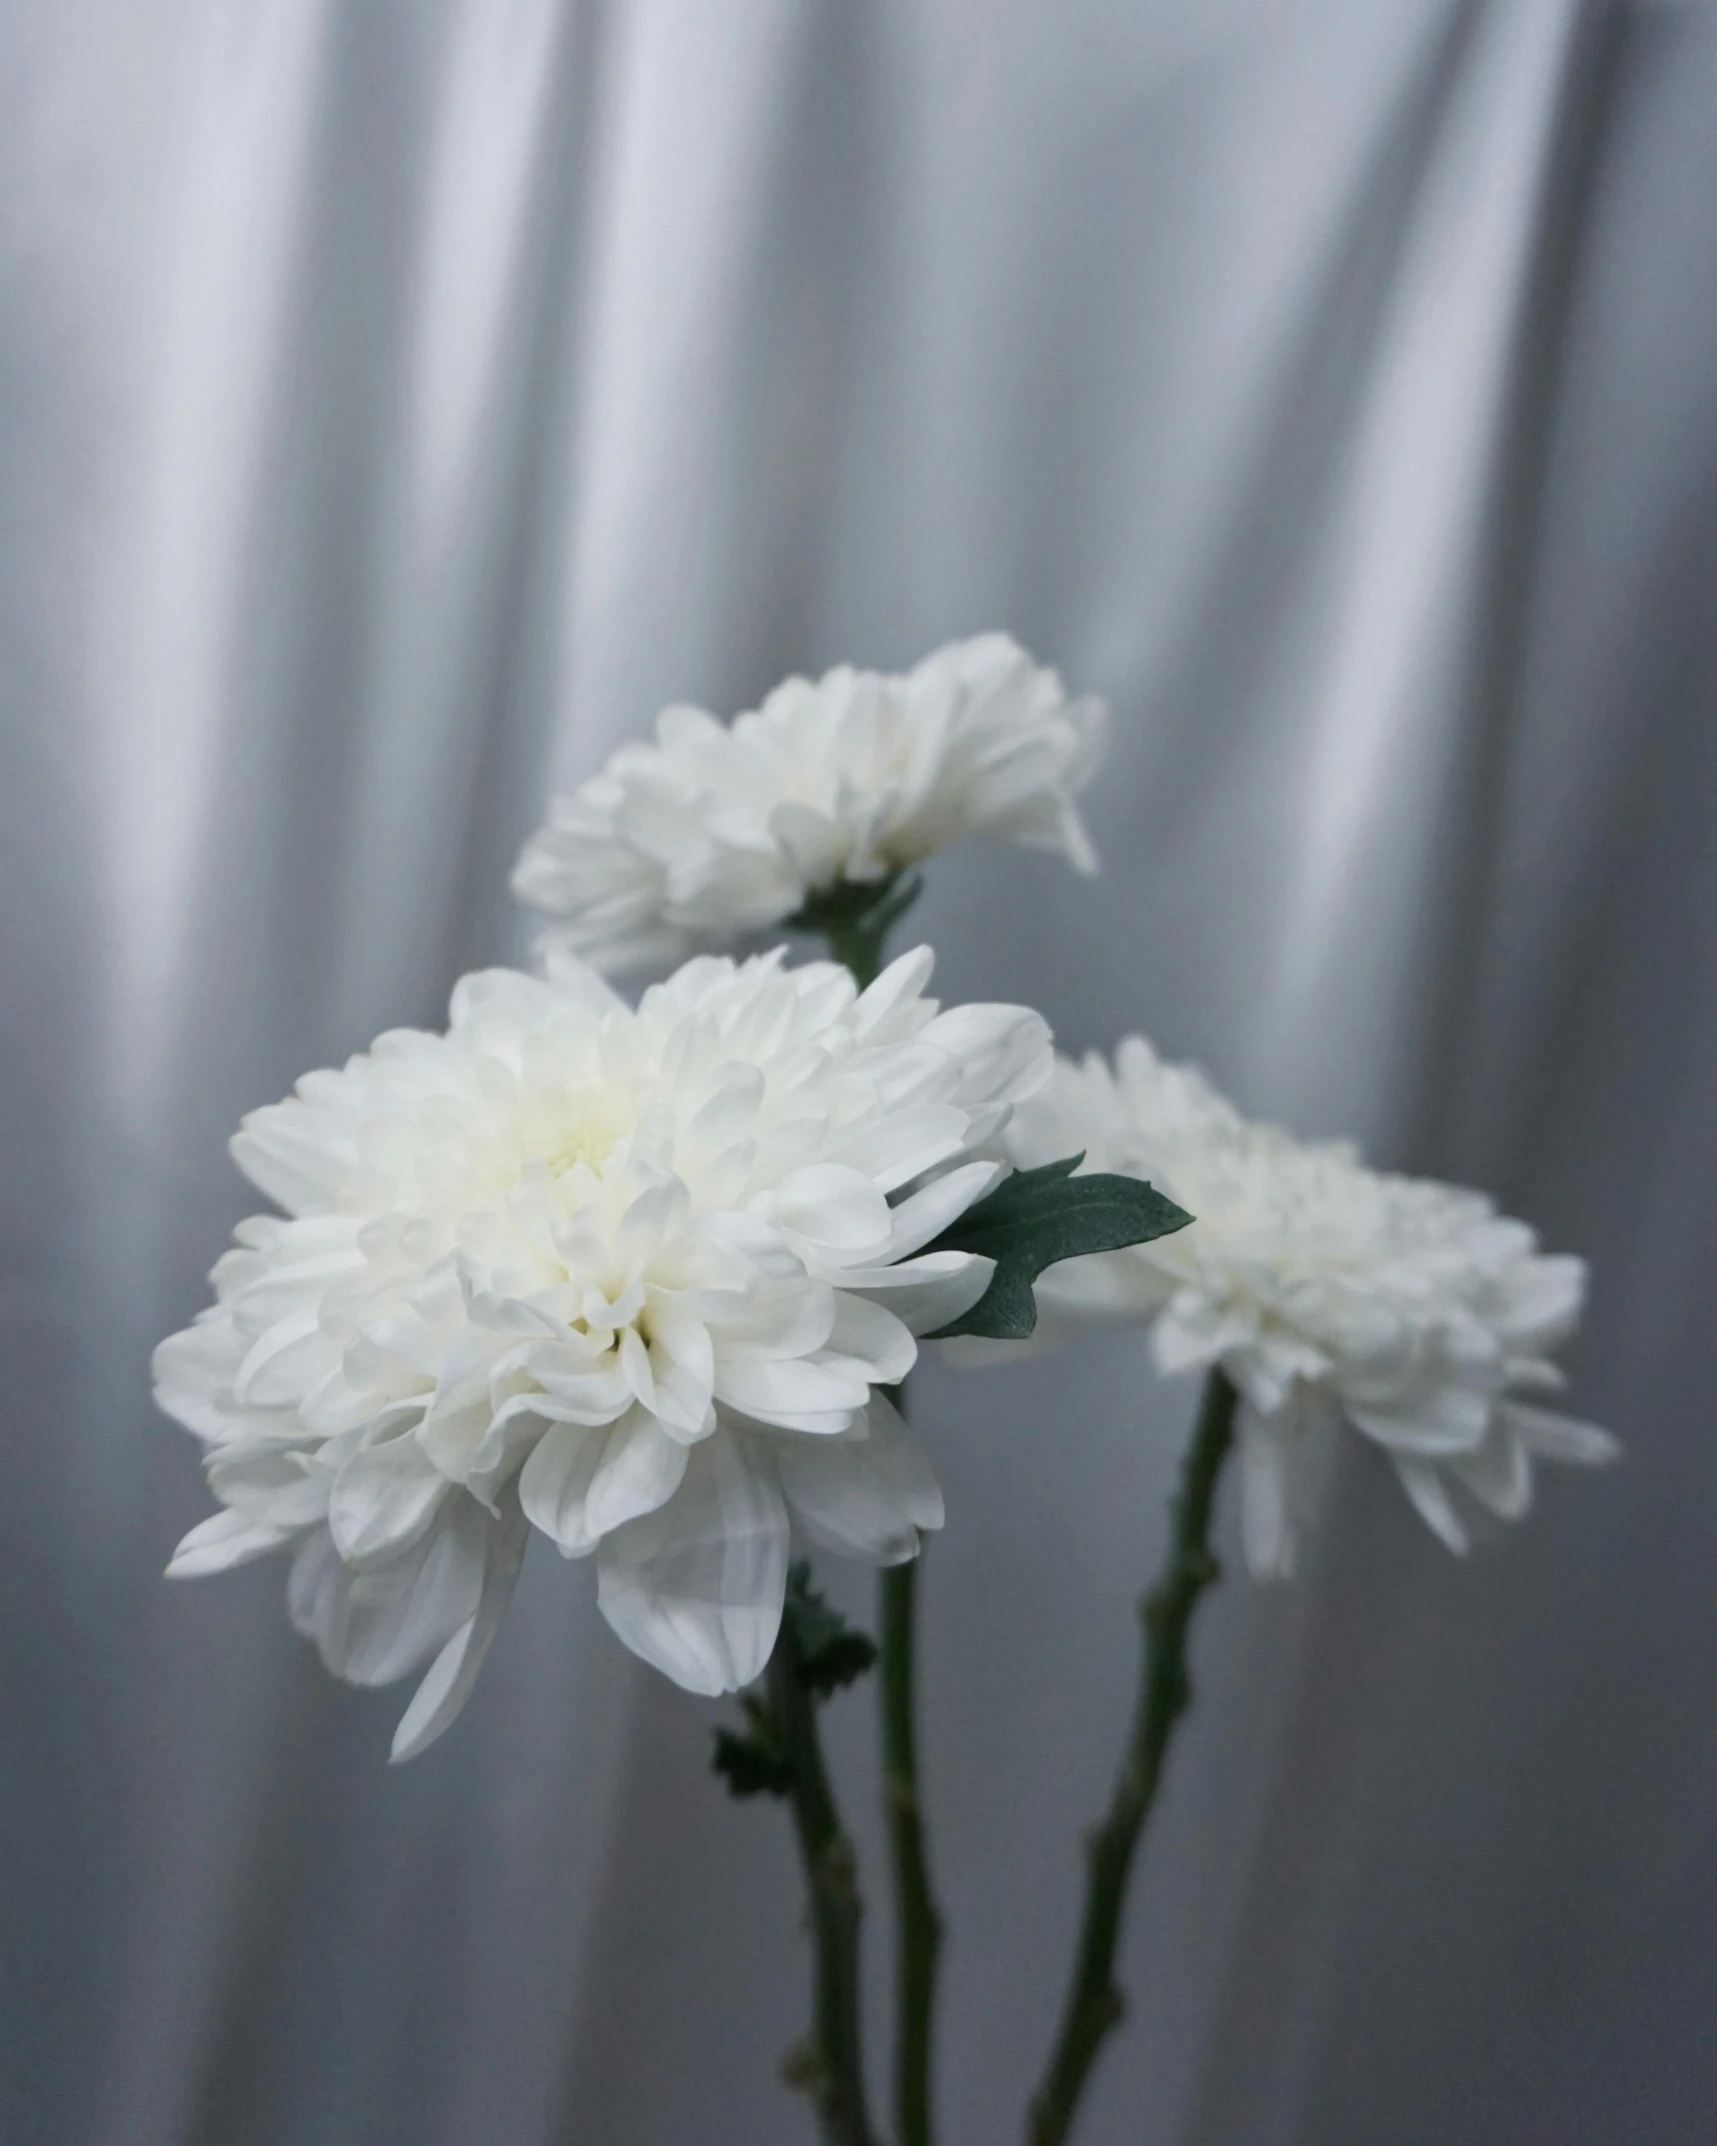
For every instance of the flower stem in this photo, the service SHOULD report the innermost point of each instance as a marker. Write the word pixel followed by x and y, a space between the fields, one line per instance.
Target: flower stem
pixel 832 2069
pixel 855 919
pixel 918 1926
pixel 1094 2003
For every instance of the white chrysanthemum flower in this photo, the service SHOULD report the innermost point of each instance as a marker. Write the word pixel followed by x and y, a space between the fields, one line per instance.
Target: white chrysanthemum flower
pixel 713 832
pixel 1319 1286
pixel 631 1277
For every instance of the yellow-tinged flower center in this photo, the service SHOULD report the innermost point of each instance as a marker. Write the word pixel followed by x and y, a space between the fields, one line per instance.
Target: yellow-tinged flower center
pixel 585 1129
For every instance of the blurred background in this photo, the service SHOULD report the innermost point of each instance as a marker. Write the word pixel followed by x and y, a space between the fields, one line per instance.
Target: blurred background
pixel 399 401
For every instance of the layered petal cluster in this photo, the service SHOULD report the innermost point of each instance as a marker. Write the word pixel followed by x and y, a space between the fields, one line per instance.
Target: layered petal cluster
pixel 714 831
pixel 633 1278
pixel 1323 1289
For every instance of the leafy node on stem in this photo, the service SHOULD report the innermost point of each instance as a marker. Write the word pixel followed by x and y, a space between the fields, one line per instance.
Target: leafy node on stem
pixel 828 1655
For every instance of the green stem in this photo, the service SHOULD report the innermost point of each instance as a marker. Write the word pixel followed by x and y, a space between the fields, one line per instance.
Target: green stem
pixel 1094 2003
pixel 918 1926
pixel 834 2071
pixel 854 920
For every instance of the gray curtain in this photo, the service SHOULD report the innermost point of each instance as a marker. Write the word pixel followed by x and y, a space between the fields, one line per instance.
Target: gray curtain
pixel 401 399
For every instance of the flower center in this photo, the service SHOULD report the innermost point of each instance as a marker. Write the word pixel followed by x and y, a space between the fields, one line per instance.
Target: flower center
pixel 585 1128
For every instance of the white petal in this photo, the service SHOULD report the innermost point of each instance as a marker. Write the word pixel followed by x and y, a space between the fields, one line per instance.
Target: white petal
pixel 1266 1529
pixel 512 1003
pixel 696 1587
pixel 869 1337
pixel 305 1260
pixel 835 1208
pixel 578 1484
pixel 555 1481
pixel 904 979
pixel 927 1293
pixel 293 1155
pixel 1192 1334
pixel 682 1362
pixel 222 1541
pixel 577 983
pixel 894 1149
pixel 269 1482
pixel 513 1432
pixel 383 1500
pixel 865 1496
pixel 1452 1420
pixel 438 1699
pixel 783 1391
pixel 635 1365
pixel 194 1373
pixel 1004 1052
pixel 928 1212
pixel 290 1358
pixel 656 1213
pixel 1555 1437
pixel 1499 1475
pixel 788 1318
pixel 642 1466
pixel 373 1627
pixel 1431 1500
pixel 811 841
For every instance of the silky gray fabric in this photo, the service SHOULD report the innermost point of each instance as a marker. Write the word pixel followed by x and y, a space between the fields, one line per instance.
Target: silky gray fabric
pixel 401 399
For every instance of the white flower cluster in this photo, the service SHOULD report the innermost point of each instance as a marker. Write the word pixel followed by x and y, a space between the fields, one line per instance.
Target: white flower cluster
pixel 715 831
pixel 630 1277
pixel 1319 1286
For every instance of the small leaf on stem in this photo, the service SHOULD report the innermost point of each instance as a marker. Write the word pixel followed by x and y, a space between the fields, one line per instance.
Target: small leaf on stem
pixel 831 1654
pixel 828 1655
pixel 755 1763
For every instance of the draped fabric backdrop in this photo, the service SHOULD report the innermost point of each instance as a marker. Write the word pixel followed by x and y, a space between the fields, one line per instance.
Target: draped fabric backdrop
pixel 399 401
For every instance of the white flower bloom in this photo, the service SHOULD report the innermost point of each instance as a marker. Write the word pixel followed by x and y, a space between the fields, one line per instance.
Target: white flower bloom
pixel 631 1277
pixel 713 832
pixel 1319 1286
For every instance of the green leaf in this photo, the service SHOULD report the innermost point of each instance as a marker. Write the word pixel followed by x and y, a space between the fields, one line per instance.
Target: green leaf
pixel 753 1764
pixel 1036 1218
pixel 831 1654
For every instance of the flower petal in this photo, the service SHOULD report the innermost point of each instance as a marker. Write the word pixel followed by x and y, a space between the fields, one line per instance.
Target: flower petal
pixel 696 1587
pixel 1430 1496
pixel 866 1495
pixel 373 1627
pixel 1555 1437
pixel 1266 1529
pixel 1004 1052
pixel 270 1482
pixel 223 1540
pixel 930 1210
pixel 1499 1475
pixel 871 1340
pixel 579 1484
pixel 782 1390
pixel 383 1500
pixel 438 1699
pixel 925 1293
pixel 834 1208
pixel 194 1373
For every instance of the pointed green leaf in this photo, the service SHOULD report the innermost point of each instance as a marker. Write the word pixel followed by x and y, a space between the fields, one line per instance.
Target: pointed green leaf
pixel 753 1763
pixel 1036 1218
pixel 831 1653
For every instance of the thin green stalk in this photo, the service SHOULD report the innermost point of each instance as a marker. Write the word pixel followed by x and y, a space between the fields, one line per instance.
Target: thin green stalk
pixel 918 1926
pixel 854 921
pixel 1094 2003
pixel 832 2070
